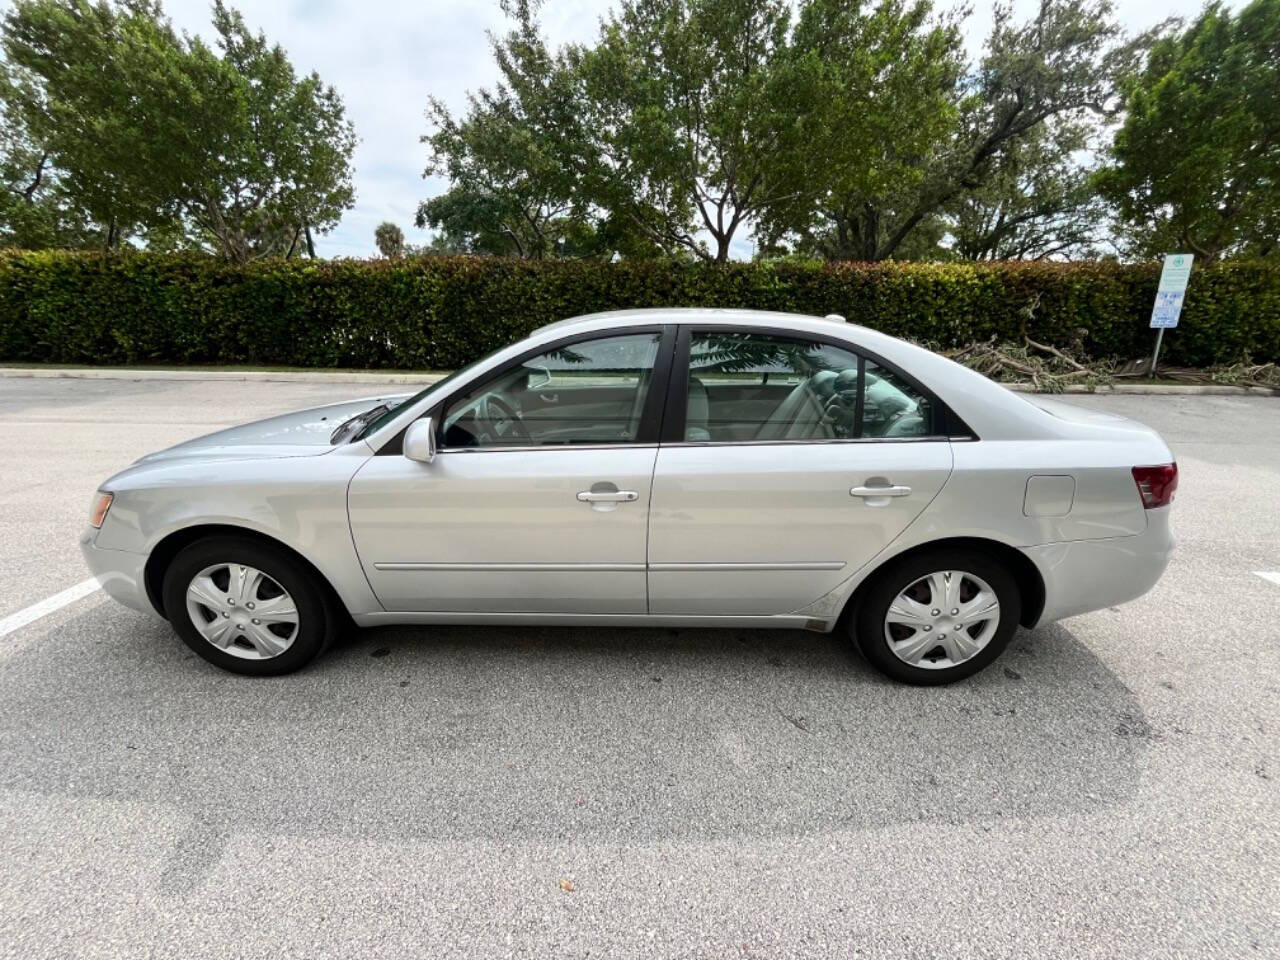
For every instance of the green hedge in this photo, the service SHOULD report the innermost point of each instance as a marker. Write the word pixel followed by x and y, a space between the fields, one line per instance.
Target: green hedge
pixel 440 312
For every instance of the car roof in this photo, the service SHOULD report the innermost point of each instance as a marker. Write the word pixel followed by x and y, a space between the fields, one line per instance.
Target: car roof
pixel 713 315
pixel 865 337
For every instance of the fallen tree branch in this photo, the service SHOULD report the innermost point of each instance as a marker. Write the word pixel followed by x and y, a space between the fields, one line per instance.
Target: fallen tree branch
pixel 1079 367
pixel 1050 368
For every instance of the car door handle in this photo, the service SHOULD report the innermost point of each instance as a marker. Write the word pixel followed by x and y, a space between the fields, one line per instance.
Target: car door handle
pixel 608 496
pixel 895 491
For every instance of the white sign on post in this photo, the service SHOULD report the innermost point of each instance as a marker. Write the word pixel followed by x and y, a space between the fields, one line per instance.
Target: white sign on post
pixel 1168 305
pixel 1172 289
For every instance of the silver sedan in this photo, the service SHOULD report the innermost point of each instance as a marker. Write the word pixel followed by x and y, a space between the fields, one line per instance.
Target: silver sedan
pixel 656 467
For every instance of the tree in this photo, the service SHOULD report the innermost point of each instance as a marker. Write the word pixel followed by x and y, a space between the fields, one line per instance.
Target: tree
pixel 103 95
pixel 156 135
pixel 859 133
pixel 922 129
pixel 882 94
pixel 514 159
pixel 1196 163
pixel 34 209
pixel 390 240
pixel 693 123
pixel 1060 68
pixel 275 165
pixel 1038 201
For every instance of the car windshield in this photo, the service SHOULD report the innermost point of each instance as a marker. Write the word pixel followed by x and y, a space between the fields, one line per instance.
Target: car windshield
pixel 386 417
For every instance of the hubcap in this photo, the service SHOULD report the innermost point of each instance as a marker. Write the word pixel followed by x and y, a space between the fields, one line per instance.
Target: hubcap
pixel 242 611
pixel 942 620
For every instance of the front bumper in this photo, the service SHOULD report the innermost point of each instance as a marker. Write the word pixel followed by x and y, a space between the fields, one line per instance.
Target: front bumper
pixel 121 574
pixel 1085 575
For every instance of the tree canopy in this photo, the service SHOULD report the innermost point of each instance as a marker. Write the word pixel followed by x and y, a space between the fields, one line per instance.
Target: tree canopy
pixel 1037 201
pixel 274 163
pixel 144 133
pixel 700 130
pixel 35 210
pixel 513 160
pixel 1196 164
pixel 693 119
pixel 849 129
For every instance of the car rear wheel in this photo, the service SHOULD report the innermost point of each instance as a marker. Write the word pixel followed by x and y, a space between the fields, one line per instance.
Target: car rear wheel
pixel 938 617
pixel 246 606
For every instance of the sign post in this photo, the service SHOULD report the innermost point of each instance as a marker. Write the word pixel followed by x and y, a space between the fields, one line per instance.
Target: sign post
pixel 1169 295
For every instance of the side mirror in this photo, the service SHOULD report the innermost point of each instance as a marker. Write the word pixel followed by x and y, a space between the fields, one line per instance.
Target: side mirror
pixel 420 441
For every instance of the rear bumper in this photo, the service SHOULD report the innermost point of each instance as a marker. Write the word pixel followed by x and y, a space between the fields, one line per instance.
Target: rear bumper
pixel 1085 575
pixel 121 574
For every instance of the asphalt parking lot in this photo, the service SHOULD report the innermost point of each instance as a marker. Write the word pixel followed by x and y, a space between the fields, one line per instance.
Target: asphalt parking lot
pixel 1111 787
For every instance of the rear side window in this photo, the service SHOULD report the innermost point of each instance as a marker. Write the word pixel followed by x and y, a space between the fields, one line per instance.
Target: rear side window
pixel 756 386
pixel 892 407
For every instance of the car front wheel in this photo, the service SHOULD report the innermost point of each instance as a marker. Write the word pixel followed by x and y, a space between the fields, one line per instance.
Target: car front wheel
pixel 938 617
pixel 246 606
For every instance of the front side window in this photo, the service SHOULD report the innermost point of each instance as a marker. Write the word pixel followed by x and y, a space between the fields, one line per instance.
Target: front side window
pixel 589 392
pixel 747 386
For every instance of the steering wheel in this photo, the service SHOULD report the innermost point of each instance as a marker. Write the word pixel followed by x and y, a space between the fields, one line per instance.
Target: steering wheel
pixel 500 421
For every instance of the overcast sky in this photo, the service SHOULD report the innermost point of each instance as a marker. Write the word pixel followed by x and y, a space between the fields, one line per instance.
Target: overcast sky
pixel 386 57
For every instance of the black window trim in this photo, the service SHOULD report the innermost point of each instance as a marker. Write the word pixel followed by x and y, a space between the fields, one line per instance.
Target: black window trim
pixel 946 425
pixel 651 416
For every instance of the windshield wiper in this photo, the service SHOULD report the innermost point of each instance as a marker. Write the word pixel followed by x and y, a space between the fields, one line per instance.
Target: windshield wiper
pixel 359 420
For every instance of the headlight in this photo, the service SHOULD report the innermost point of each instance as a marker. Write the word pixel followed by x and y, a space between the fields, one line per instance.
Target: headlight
pixel 101 504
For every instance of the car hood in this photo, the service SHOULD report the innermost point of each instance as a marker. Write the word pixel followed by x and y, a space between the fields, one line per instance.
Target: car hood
pixel 304 433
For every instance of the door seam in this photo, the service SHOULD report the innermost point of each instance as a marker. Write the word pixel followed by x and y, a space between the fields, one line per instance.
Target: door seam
pixel 351 530
pixel 648 526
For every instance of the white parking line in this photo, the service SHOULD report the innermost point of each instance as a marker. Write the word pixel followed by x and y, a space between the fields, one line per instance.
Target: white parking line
pixel 16 621
pixel 1272 575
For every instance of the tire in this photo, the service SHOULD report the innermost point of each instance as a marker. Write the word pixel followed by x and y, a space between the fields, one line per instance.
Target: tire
pixel 293 622
pixel 896 614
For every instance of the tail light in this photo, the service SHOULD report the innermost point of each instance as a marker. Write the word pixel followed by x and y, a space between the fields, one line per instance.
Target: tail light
pixel 1156 485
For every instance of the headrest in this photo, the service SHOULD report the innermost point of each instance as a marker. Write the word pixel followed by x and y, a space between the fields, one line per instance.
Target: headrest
pixel 823 383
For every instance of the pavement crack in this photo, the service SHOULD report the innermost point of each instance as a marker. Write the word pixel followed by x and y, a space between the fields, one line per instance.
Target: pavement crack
pixel 799 722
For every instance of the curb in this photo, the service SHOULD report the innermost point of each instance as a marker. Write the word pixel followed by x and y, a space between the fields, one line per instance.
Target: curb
pixel 261 376
pixel 422 379
pixel 1158 389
